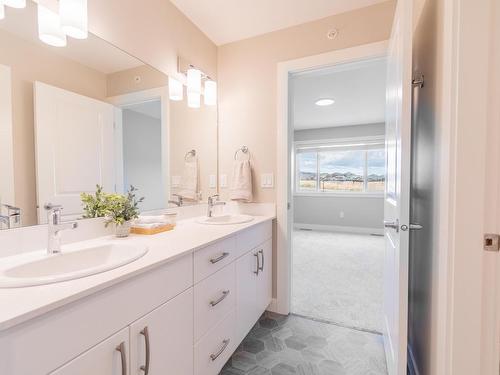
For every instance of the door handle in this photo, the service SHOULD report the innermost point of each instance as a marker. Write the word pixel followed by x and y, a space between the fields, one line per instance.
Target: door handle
pixel 412 226
pixel 123 355
pixel 145 368
pixel 225 343
pixel 219 258
pixel 392 224
pixel 258 264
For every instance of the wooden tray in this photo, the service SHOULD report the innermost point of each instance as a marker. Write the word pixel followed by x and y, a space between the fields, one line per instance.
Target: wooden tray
pixel 150 231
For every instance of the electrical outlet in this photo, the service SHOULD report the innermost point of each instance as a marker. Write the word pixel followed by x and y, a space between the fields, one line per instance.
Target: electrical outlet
pixel 223 180
pixel 341 214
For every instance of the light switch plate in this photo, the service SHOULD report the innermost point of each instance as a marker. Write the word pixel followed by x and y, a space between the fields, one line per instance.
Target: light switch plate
pixel 267 180
pixel 212 181
pixel 223 180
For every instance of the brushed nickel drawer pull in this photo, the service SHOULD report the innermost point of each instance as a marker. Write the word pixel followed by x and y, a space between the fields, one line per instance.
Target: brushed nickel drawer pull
pixel 214 356
pixel 121 348
pixel 219 258
pixel 261 268
pixel 258 264
pixel 145 368
pixel 225 293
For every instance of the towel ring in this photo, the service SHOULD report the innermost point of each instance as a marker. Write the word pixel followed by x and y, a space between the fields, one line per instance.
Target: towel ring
pixel 191 153
pixel 243 149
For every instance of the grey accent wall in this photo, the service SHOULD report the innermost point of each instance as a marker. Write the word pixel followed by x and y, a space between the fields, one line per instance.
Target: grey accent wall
pixel 340 132
pixel 363 212
pixel 423 262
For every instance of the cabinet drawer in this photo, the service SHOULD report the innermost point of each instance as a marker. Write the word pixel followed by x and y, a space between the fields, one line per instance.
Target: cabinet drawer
pixel 253 237
pixel 215 348
pixel 214 298
pixel 213 257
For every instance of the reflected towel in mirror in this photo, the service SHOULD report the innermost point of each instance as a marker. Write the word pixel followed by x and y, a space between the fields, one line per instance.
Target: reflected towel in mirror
pixel 190 180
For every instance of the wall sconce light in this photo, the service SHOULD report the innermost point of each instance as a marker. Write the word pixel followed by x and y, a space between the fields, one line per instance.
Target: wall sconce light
pixel 19 4
pixel 74 18
pixel 175 89
pixel 2 10
pixel 49 27
pixel 210 92
pixel 193 87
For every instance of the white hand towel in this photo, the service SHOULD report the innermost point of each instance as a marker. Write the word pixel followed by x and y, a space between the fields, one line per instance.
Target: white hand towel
pixel 151 219
pixel 241 183
pixel 190 180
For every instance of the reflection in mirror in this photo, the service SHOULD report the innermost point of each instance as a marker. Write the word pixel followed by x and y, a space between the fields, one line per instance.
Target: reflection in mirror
pixel 90 114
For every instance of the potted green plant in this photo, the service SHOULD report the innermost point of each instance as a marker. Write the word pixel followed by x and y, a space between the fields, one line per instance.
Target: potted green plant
pixel 94 205
pixel 121 210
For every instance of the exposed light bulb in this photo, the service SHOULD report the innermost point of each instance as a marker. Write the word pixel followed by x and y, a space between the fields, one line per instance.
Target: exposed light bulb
pixel 194 81
pixel 194 100
pixel 19 4
pixel 210 92
pixel 49 27
pixel 175 89
pixel 74 18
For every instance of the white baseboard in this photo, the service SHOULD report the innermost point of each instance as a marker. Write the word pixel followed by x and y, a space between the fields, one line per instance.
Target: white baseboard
pixel 338 228
pixel 273 306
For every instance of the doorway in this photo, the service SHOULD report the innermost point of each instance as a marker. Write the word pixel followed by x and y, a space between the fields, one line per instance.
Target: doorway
pixel 337 115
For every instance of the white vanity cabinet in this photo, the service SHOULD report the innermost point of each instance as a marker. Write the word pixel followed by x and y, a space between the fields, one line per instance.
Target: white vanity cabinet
pixel 183 317
pixel 161 342
pixel 110 357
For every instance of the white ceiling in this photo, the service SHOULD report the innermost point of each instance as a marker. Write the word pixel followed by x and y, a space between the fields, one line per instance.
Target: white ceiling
pixel 225 21
pixel 92 52
pixel 357 88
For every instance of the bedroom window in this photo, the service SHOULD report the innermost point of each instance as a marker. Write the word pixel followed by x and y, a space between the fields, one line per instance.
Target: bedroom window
pixel 356 167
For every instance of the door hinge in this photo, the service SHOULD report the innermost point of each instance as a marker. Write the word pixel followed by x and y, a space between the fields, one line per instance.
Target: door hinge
pixel 491 242
pixel 418 80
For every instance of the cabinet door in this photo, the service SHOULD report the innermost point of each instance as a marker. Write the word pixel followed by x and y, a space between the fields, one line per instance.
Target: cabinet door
pixel 265 277
pixel 246 289
pixel 163 339
pixel 110 357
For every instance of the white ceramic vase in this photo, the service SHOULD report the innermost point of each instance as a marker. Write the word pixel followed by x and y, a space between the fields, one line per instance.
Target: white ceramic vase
pixel 123 230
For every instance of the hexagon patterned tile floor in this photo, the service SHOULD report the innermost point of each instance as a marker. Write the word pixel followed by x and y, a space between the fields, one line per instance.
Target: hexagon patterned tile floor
pixel 294 345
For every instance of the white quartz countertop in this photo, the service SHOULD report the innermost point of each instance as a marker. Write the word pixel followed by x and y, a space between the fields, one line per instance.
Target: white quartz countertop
pixel 18 305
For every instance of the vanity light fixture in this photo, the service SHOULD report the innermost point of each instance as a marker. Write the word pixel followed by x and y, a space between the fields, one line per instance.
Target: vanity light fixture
pixel 193 87
pixel 210 92
pixel 175 89
pixel 49 27
pixel 2 10
pixel 324 102
pixel 74 18
pixel 19 4
pixel 194 100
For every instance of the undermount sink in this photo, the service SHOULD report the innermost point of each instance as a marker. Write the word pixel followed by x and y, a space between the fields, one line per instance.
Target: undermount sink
pixel 40 268
pixel 224 219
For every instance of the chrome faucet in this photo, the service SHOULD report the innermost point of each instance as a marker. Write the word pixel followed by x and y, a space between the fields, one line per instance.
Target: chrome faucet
pixel 179 202
pixel 55 227
pixel 5 220
pixel 13 216
pixel 213 201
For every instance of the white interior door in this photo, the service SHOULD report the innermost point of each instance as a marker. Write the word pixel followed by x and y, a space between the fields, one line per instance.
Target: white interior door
pixel 74 148
pixel 397 198
pixel 6 142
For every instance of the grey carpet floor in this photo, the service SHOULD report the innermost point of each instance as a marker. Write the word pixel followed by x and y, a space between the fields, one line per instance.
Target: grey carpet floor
pixel 293 345
pixel 337 277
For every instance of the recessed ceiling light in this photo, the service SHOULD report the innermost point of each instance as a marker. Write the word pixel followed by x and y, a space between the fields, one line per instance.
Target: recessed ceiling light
pixel 324 102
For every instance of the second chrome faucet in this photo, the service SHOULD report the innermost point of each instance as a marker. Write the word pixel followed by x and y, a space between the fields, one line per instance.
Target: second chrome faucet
pixel 212 202
pixel 55 226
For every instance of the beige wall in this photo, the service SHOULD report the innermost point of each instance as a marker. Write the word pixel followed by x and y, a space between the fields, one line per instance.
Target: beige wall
pixel 154 31
pixel 247 81
pixel 124 82
pixel 30 62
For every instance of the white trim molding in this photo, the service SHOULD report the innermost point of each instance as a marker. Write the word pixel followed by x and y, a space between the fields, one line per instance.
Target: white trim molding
pixel 339 228
pixel 284 152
